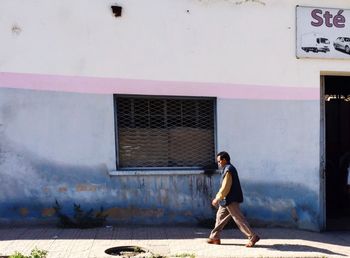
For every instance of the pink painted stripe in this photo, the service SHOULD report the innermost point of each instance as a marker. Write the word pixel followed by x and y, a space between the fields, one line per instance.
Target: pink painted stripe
pixel 149 87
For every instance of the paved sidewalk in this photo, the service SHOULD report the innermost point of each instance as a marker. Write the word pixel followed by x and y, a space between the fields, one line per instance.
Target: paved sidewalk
pixel 172 242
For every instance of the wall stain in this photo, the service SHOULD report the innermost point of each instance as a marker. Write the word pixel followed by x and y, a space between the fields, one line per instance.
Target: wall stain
pixel 188 213
pixel 85 188
pixel 127 213
pixel 62 189
pixel 294 214
pixel 23 211
pixel 164 197
pixel 16 29
pixel 48 212
pixel 202 185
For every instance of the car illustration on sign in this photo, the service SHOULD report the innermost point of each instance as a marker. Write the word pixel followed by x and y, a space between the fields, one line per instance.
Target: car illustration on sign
pixel 342 43
pixel 315 43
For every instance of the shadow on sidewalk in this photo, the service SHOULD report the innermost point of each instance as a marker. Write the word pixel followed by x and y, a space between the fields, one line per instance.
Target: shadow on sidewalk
pixel 168 233
pixel 302 248
pixel 292 248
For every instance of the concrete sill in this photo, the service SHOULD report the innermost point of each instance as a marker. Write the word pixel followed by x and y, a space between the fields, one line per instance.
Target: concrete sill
pixel 154 172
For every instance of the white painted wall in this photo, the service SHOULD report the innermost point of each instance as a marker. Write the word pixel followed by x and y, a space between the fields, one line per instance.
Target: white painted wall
pixel 183 40
pixel 273 142
pixel 64 128
pixel 269 143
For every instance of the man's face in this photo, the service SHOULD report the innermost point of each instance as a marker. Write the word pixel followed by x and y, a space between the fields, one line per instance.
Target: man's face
pixel 221 162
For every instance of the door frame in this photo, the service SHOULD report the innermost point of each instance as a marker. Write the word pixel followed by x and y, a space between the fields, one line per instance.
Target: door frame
pixel 322 172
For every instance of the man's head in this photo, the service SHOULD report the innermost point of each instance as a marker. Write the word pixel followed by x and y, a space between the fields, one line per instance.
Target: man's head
pixel 223 158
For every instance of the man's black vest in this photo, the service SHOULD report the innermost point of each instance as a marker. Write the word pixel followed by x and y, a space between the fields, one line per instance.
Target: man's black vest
pixel 235 194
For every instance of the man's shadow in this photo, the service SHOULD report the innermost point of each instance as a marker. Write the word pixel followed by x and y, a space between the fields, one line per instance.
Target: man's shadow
pixel 302 248
pixel 292 248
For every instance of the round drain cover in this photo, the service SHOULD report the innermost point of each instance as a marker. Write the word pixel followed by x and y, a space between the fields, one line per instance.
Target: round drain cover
pixel 126 251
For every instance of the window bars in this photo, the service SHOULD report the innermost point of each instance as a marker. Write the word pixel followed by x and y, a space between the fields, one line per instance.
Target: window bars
pixel 157 132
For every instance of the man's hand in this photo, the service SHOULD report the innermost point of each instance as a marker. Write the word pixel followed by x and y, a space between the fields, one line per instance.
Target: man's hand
pixel 215 202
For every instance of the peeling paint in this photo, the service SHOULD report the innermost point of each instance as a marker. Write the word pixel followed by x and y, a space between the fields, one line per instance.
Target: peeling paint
pixel 62 189
pixel 126 213
pixel 85 188
pixel 283 205
pixel 188 213
pixel 23 211
pixel 48 212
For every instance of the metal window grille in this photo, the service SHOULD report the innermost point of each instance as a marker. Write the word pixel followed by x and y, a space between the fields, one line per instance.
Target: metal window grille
pixel 157 132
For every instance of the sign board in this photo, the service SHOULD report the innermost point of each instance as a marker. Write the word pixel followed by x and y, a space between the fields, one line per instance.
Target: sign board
pixel 322 32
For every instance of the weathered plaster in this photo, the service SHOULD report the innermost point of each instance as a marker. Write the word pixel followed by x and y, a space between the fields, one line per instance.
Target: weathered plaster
pixel 62 189
pixel 127 213
pixel 285 204
pixel 85 188
pixel 23 211
pixel 277 179
pixel 48 212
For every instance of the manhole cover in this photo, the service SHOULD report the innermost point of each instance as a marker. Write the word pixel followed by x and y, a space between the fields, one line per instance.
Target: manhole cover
pixel 128 251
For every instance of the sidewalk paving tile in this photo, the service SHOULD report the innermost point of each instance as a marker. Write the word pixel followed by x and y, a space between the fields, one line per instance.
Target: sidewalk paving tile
pixel 172 242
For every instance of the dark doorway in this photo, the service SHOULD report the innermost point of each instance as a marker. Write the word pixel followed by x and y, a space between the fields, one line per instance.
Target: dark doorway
pixel 337 151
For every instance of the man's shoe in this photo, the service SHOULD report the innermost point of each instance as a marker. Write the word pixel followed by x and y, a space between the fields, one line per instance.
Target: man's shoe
pixel 214 241
pixel 252 241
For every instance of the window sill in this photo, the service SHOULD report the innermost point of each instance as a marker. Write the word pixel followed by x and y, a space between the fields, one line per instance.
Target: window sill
pixel 156 172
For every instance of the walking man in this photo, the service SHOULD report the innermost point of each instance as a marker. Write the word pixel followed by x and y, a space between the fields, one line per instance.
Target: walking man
pixel 228 200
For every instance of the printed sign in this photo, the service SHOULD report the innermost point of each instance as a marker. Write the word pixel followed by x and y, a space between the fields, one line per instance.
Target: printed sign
pixel 323 32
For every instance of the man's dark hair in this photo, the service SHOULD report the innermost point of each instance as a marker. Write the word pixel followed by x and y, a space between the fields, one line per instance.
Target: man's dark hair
pixel 224 155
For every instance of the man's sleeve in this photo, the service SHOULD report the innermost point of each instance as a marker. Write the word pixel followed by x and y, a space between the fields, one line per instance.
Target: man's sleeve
pixel 225 187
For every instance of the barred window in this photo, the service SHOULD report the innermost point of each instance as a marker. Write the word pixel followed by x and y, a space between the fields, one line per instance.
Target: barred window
pixel 158 132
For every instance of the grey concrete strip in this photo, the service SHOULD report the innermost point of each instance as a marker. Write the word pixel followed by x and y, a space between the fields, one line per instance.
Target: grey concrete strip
pixel 173 242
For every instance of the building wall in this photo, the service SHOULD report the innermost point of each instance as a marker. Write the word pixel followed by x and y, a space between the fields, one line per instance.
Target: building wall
pixel 62 61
